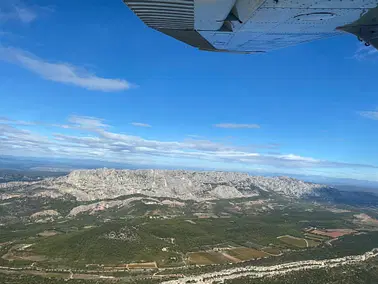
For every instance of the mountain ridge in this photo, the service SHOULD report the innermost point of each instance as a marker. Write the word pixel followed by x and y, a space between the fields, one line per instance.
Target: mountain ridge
pixel 98 184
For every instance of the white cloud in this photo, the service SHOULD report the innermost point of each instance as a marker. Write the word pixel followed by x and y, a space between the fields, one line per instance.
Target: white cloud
pixel 62 72
pixel 369 114
pixel 6 120
pixel 365 52
pixel 87 122
pixel 194 136
pixel 292 157
pixel 25 14
pixel 236 125
pixel 17 11
pixel 140 124
pixel 75 122
pixel 95 140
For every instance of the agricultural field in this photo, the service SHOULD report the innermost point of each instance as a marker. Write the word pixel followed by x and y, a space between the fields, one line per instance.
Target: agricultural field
pixel 243 253
pixel 231 255
pixel 203 258
pixel 142 265
pixel 271 251
pixel 314 237
pixel 298 242
pixel 47 234
pixel 333 233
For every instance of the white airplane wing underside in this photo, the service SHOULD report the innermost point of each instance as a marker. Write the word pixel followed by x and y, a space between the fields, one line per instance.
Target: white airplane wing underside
pixel 253 26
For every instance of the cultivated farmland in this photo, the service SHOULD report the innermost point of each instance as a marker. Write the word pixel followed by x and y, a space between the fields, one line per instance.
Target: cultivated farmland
pixel 244 253
pixel 203 258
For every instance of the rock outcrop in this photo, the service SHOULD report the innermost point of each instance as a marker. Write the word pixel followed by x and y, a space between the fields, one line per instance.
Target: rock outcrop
pixel 100 184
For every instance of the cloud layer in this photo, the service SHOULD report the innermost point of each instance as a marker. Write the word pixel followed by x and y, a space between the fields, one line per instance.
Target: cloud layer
pixel 236 125
pixel 369 114
pixel 16 10
pixel 90 137
pixel 365 53
pixel 140 124
pixel 62 72
pixel 25 15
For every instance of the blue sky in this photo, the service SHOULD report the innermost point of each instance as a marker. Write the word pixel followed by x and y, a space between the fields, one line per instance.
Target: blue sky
pixel 82 80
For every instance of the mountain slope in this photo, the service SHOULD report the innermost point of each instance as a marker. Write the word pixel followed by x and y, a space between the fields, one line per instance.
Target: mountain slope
pixel 86 185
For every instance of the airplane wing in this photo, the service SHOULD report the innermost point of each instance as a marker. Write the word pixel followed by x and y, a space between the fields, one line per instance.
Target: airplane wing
pixel 250 26
pixel 365 28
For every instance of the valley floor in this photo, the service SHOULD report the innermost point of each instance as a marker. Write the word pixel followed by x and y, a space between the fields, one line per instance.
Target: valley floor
pixel 210 277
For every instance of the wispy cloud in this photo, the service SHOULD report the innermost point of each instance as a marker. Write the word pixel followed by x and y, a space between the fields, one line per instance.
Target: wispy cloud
pixel 194 136
pixel 236 125
pixel 17 11
pixel 87 122
pixel 6 120
pixel 95 140
pixel 74 122
pixel 140 124
pixel 264 146
pixel 369 114
pixel 25 15
pixel 365 53
pixel 62 72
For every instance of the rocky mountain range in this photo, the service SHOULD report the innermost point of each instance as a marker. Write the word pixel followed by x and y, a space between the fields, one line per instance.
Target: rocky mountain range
pixel 99 184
